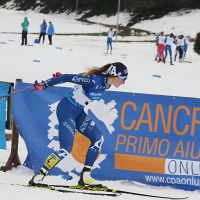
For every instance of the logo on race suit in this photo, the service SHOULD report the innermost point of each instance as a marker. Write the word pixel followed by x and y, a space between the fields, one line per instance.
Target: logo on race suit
pixel 95 94
pixel 91 125
pixel 85 123
pixel 69 128
pixel 72 121
pixel 77 79
pixel 62 153
pixel 51 161
pixel 97 145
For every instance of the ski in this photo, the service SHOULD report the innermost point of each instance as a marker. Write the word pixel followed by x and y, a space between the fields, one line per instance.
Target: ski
pixel 57 189
pixel 114 191
pixel 93 190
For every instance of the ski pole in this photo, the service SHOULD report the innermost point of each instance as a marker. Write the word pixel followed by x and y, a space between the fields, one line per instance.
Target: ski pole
pixel 29 88
pixel 148 53
pixel 26 89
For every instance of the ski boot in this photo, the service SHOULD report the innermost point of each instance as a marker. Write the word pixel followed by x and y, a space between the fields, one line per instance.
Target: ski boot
pixel 86 179
pixel 175 57
pixel 180 60
pixel 37 178
pixel 163 60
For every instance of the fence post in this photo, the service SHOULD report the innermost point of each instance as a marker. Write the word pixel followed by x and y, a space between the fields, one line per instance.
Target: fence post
pixel 13 160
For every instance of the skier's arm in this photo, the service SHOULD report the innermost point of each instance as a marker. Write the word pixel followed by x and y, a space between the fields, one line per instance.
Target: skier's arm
pixel 73 78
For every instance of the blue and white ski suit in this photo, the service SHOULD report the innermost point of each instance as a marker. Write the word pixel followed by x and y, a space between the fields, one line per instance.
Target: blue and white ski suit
pixel 187 41
pixel 71 115
pixel 168 46
pixel 110 35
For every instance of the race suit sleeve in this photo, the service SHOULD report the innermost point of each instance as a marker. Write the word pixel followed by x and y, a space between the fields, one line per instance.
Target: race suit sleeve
pixel 86 81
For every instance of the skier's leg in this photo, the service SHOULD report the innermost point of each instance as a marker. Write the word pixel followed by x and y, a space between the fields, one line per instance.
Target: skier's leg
pixel 50 39
pixel 44 37
pixel 166 49
pixel 89 129
pixel 107 44
pixel 22 38
pixel 26 37
pixel 170 53
pixel 66 114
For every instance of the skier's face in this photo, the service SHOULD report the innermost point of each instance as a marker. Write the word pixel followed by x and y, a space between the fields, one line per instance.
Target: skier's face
pixel 118 80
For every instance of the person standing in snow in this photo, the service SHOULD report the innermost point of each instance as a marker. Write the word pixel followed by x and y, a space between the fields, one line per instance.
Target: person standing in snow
pixel 25 25
pixel 161 46
pixel 180 45
pixel 110 35
pixel 157 44
pixel 50 32
pixel 71 116
pixel 188 40
pixel 177 48
pixel 168 43
pixel 43 28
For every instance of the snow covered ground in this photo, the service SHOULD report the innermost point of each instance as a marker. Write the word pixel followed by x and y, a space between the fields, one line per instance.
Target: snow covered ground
pixel 77 53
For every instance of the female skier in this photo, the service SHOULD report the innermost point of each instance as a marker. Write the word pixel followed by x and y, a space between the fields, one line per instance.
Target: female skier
pixel 88 86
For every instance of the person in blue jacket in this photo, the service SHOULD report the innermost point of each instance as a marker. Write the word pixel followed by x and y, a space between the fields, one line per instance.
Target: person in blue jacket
pixel 50 32
pixel 43 29
pixel 71 116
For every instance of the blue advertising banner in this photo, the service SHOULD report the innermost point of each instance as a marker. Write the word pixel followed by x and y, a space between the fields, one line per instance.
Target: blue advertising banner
pixel 151 139
pixel 4 87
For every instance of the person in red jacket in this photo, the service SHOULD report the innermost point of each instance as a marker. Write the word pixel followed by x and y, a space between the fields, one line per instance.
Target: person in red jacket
pixel 161 46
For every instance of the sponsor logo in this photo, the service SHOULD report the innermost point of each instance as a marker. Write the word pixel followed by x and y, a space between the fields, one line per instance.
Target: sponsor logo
pixel 112 70
pixel 69 128
pixel 98 144
pixel 95 94
pixel 51 161
pixel 62 153
pixel 77 79
pixel 91 125
pixel 72 121
pixel 85 123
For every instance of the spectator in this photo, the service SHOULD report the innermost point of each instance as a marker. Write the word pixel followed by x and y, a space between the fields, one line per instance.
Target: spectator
pixel 24 25
pixel 50 32
pixel 110 35
pixel 43 28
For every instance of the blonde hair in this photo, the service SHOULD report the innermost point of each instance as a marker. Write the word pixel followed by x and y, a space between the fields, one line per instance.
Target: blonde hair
pixel 102 69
